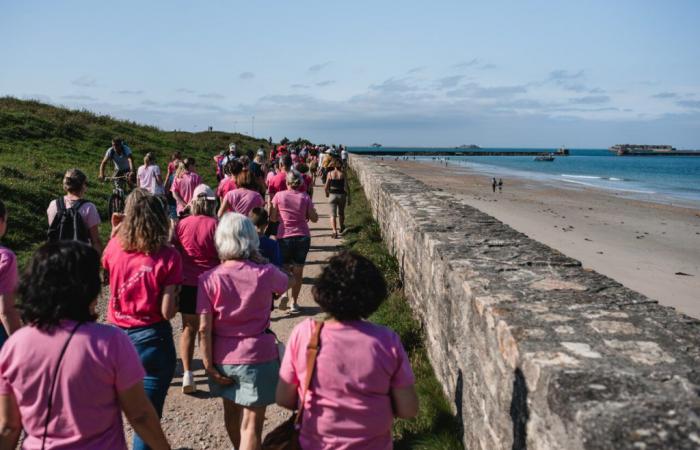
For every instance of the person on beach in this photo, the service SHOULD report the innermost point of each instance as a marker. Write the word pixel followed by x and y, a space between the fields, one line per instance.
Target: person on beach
pixel 64 379
pixel 244 198
pixel 186 180
pixel 9 318
pixel 360 367
pixel 144 274
pixel 293 208
pixel 75 184
pixel 194 238
pixel 239 354
pixel 493 184
pixel 338 194
pixel 148 176
pixel 500 185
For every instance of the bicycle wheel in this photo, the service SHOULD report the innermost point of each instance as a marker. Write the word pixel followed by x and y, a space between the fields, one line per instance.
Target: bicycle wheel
pixel 116 205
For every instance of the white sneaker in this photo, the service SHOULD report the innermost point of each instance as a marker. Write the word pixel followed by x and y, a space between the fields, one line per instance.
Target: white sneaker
pixel 284 300
pixel 294 309
pixel 188 384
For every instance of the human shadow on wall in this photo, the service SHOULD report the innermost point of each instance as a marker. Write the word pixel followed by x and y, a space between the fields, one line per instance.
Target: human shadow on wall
pixel 519 412
pixel 459 394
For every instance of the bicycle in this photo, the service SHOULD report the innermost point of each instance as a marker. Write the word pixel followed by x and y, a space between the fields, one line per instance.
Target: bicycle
pixel 118 197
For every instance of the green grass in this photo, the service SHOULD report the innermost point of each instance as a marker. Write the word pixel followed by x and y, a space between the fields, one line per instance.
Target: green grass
pixel 435 428
pixel 38 142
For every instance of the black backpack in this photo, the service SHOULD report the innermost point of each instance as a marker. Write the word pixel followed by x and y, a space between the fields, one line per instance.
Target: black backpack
pixel 68 225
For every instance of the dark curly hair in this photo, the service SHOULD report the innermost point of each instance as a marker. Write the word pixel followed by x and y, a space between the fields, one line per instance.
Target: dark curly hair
pixel 60 282
pixel 350 287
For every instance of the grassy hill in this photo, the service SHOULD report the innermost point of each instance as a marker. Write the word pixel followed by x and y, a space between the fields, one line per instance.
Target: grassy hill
pixel 38 142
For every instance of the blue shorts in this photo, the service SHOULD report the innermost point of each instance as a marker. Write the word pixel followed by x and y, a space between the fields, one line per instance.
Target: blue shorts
pixel 294 249
pixel 254 384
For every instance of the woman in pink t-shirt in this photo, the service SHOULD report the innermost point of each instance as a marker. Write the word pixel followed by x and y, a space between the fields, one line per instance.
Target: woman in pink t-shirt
pixel 144 273
pixel 194 238
pixel 228 183
pixel 293 209
pixel 9 318
pixel 90 371
pixel 244 198
pixel 363 378
pixel 75 185
pixel 148 176
pixel 239 354
pixel 186 179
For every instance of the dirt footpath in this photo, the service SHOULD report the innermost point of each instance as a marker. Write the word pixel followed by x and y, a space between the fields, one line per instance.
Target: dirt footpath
pixel 197 421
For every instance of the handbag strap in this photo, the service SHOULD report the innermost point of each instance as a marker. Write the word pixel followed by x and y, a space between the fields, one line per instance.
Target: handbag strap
pixel 53 385
pixel 311 353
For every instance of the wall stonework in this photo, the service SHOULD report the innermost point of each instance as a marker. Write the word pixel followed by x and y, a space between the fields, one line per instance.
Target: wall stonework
pixel 533 350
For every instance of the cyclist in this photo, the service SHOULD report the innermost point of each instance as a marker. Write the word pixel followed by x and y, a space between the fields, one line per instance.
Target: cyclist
pixel 121 156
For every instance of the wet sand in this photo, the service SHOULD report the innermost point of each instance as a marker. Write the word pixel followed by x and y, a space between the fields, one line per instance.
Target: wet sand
pixel 651 248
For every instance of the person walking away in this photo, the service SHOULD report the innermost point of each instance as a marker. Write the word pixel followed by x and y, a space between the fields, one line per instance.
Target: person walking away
pixel 378 379
pixel 148 176
pixel 174 163
pixel 277 184
pixel 269 248
pixel 308 185
pixel 244 198
pixel 9 318
pixel 293 209
pixel 186 180
pixel 194 239
pixel 493 184
pixel 344 156
pixel 338 193
pixel 239 354
pixel 144 273
pixel 231 171
pixel 500 185
pixel 218 162
pixel 72 217
pixel 91 371
pixel 121 155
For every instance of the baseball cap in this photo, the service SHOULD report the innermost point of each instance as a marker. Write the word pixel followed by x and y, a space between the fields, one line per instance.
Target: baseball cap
pixel 203 191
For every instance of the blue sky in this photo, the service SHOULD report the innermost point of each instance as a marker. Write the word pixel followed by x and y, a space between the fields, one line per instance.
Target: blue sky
pixel 498 73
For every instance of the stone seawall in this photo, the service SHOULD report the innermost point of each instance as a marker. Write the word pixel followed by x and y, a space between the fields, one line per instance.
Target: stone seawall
pixel 534 350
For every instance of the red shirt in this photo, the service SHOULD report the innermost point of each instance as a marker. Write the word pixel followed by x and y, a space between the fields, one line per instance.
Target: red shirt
pixel 194 238
pixel 136 283
pixel 277 184
pixel 225 185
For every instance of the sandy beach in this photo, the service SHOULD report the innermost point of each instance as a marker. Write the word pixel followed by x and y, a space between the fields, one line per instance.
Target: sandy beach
pixel 651 248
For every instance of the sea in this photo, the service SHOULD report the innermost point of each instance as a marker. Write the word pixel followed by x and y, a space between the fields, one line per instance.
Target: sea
pixel 661 179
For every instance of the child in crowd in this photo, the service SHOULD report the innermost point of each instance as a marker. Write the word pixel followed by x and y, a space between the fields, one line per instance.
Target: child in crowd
pixel 8 284
pixel 269 248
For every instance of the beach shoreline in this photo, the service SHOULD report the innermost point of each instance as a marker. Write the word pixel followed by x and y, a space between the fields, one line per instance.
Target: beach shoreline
pixel 652 248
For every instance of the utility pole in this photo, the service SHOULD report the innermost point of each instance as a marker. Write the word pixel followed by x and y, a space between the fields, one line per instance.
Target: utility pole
pixel 234 125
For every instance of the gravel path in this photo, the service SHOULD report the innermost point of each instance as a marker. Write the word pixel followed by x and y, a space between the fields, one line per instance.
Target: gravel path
pixel 196 421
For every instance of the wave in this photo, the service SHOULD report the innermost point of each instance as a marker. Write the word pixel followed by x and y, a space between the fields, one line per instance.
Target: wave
pixel 592 177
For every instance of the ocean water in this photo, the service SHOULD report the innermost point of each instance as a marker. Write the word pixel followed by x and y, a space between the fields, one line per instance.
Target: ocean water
pixel 664 179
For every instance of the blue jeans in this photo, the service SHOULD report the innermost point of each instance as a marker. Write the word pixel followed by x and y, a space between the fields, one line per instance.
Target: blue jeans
pixel 156 349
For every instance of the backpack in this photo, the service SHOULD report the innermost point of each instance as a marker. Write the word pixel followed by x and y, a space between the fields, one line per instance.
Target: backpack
pixel 68 225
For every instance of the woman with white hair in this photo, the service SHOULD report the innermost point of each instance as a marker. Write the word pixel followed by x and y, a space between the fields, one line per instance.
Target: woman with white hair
pixel 239 355
pixel 293 208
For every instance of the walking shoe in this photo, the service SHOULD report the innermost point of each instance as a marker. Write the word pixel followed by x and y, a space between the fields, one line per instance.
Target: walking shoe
pixel 294 309
pixel 284 300
pixel 188 384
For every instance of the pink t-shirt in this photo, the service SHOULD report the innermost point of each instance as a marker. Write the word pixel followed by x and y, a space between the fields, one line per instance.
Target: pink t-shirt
pixel 239 294
pixel 277 184
pixel 100 361
pixel 184 187
pixel 348 405
pixel 225 185
pixel 243 201
pixel 88 211
pixel 293 207
pixel 148 179
pixel 136 282
pixel 194 238
pixel 8 271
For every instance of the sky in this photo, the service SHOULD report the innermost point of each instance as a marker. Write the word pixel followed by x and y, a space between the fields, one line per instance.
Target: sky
pixel 584 74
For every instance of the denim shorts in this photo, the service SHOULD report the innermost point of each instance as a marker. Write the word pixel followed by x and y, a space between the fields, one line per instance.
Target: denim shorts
pixel 294 249
pixel 254 384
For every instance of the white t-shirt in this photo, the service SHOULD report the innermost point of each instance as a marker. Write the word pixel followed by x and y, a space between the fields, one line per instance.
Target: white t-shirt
pixel 147 179
pixel 344 155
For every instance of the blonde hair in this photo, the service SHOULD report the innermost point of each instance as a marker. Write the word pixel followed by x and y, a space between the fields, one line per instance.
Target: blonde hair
pixel 146 226
pixel 236 238
pixel 203 207
pixel 148 158
pixel 73 181
pixel 294 179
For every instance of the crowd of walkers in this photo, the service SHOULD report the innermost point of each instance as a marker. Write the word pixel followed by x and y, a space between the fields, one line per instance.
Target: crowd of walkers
pixel 221 258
